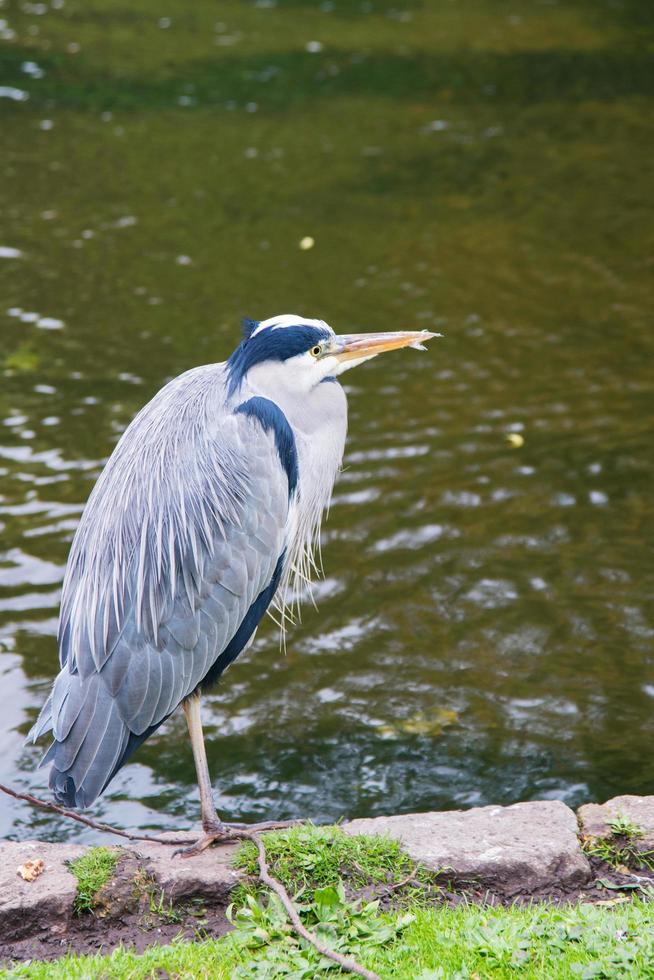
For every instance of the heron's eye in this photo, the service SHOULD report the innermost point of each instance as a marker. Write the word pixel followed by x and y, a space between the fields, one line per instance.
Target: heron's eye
pixel 316 351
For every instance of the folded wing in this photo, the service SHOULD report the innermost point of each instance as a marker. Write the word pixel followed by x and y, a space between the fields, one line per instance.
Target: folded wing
pixel 177 556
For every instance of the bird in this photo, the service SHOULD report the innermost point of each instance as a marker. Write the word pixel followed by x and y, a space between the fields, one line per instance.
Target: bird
pixel 206 515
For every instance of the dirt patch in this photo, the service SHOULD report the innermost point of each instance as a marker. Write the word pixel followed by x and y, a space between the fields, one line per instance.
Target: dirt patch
pixel 133 925
pixel 151 897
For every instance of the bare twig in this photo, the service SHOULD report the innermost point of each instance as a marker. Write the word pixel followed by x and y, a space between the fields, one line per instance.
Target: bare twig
pixel 236 833
pixel 405 881
pixel 96 825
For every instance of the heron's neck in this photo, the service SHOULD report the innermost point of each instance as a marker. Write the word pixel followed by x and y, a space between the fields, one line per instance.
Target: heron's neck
pixel 319 423
pixel 318 416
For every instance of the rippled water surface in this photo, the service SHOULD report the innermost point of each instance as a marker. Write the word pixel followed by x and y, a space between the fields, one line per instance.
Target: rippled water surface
pixel 485 628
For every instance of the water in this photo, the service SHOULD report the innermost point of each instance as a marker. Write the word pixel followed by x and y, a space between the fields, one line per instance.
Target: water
pixel 485 629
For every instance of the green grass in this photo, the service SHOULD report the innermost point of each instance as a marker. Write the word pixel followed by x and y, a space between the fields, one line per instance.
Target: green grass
pixel 621 849
pixel 416 942
pixel 164 909
pixel 92 871
pixel 581 942
pixel 306 858
pixel 623 826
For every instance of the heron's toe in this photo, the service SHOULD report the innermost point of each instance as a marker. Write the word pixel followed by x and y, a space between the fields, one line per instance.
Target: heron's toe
pixel 220 834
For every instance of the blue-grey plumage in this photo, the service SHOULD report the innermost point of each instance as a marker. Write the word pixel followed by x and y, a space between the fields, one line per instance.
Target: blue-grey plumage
pixel 207 511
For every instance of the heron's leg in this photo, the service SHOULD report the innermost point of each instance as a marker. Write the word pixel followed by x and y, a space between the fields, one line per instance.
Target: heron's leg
pixel 210 819
pixel 215 831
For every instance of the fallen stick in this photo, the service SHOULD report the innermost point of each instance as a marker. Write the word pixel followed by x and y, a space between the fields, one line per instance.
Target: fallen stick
pixel 96 825
pixel 411 878
pixel 236 834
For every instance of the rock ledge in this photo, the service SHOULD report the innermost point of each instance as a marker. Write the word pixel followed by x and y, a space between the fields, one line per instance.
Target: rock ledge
pixel 523 848
pixel 528 850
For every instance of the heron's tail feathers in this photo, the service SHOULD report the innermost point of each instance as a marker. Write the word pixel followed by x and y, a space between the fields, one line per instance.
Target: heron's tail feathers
pixel 90 738
pixel 91 741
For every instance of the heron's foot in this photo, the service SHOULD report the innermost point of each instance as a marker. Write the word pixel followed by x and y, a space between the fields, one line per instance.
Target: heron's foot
pixel 214 833
pixel 226 833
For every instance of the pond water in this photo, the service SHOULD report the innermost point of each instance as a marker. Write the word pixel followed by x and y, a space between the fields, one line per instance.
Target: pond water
pixel 485 627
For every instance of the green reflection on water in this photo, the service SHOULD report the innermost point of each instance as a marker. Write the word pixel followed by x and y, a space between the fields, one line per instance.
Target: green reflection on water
pixel 480 168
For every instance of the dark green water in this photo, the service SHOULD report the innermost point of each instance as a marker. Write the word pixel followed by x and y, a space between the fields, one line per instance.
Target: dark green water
pixel 485 631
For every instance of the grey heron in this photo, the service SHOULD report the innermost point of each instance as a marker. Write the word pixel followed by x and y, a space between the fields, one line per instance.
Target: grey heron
pixel 208 510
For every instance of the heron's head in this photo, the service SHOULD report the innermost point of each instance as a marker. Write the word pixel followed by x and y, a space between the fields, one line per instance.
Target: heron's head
pixel 302 353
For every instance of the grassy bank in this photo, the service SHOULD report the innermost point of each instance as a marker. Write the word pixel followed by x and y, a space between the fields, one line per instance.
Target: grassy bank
pixel 342 885
pixel 583 941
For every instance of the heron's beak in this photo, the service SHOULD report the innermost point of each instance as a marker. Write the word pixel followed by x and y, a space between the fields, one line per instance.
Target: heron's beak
pixel 361 346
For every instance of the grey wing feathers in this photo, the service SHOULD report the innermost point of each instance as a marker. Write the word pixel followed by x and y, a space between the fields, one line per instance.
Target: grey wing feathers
pixel 180 536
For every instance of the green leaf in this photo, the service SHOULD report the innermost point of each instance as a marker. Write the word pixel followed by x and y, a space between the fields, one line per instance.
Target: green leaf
pixel 327 898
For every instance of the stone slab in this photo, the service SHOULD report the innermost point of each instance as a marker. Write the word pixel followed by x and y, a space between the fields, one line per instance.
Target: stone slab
pixel 520 849
pixel 45 905
pixel 208 875
pixel 594 817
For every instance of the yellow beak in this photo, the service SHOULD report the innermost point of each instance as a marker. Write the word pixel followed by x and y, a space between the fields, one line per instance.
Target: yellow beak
pixel 363 345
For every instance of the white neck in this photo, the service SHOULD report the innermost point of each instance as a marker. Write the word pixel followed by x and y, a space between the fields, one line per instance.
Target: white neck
pixel 318 419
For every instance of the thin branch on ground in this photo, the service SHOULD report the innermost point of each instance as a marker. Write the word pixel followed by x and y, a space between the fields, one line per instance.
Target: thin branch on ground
pixel 410 879
pixel 94 824
pixel 238 833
